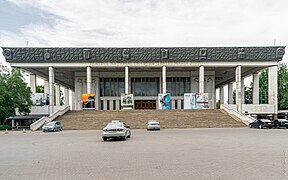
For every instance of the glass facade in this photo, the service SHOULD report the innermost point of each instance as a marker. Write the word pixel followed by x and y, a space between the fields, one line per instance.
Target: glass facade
pixel 112 86
pixel 145 86
pixel 177 86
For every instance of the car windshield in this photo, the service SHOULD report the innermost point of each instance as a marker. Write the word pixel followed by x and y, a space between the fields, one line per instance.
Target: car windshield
pixel 153 122
pixel 114 125
pixel 49 124
pixel 265 120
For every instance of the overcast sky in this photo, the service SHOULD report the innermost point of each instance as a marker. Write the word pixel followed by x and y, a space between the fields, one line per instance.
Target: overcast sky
pixel 125 23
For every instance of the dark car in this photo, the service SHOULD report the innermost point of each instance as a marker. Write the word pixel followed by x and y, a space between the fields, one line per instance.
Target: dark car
pixel 261 123
pixel 281 123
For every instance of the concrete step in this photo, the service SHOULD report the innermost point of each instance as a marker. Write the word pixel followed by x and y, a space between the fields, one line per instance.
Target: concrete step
pixel 205 118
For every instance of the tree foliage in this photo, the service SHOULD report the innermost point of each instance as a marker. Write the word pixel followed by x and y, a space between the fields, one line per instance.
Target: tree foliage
pixel 282 87
pixel 15 94
pixel 263 87
pixel 39 89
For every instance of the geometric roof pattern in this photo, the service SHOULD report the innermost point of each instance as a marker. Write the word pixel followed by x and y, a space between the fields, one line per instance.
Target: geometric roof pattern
pixel 141 54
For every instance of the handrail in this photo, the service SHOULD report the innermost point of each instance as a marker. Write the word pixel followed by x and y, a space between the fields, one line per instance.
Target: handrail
pixel 245 119
pixel 39 123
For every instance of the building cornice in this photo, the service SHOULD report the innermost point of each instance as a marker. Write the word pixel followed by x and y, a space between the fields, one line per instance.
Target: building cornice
pixel 141 54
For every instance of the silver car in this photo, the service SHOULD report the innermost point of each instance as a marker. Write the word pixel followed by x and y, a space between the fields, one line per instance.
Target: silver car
pixel 116 129
pixel 52 126
pixel 153 125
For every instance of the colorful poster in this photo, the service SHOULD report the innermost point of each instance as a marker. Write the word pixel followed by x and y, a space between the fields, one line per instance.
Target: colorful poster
pixel 189 100
pixel 127 100
pixel 88 101
pixel 202 97
pixel 164 101
pixel 202 100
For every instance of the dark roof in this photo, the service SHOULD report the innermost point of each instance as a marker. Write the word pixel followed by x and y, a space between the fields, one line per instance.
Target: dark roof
pixel 28 116
pixel 141 54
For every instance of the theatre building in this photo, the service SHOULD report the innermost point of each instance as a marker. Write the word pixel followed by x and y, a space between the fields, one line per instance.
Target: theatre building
pixel 147 71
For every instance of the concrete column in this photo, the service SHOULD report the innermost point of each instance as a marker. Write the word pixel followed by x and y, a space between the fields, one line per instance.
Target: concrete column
pixel 256 88
pixel 273 88
pixel 238 88
pixel 33 83
pixel 201 79
pixel 46 90
pixel 89 80
pixel 221 94
pixel 66 96
pixel 230 93
pixel 51 90
pixel 73 100
pixel 173 104
pixel 13 123
pixel 164 79
pixel 97 93
pixel 79 94
pixel 126 80
pixel 57 94
pixel 243 91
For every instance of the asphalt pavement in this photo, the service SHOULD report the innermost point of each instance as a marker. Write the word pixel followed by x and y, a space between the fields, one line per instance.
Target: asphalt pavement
pixel 230 153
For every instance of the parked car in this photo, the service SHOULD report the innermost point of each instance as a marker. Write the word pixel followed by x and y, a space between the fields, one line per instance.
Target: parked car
pixel 52 126
pixel 116 129
pixel 153 125
pixel 281 123
pixel 261 123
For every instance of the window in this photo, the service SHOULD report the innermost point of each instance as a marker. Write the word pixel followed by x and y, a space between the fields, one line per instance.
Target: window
pixel 145 86
pixel 177 86
pixel 111 86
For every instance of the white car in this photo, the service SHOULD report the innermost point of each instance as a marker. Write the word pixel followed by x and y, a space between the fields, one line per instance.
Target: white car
pixel 153 125
pixel 116 129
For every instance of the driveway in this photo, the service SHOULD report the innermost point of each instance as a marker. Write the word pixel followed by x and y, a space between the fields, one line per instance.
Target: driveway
pixel 232 153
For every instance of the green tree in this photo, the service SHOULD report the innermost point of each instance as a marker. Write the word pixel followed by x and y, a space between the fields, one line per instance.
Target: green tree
pixel 249 94
pixel 39 89
pixel 263 87
pixel 282 86
pixel 15 94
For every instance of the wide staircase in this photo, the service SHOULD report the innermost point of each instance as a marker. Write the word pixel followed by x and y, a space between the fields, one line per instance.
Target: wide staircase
pixel 136 119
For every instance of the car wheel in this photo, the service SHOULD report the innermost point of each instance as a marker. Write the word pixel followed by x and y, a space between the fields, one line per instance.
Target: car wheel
pixel 104 138
pixel 250 125
pixel 286 127
pixel 54 129
pixel 60 129
pixel 270 127
pixel 124 138
pixel 129 135
pixel 260 126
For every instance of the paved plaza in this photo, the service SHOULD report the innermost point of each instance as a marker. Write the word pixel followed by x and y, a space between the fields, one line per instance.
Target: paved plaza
pixel 239 153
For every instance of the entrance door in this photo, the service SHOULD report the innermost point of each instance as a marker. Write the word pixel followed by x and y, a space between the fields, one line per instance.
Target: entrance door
pixel 145 104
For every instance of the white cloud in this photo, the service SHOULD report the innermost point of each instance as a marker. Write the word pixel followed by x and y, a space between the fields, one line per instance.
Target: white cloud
pixel 153 23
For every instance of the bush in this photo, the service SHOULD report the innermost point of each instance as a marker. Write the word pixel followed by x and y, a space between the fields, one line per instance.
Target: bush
pixel 4 127
pixel 218 104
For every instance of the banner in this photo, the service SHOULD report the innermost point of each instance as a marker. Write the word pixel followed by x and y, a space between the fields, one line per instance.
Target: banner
pixel 88 101
pixel 127 100
pixel 164 101
pixel 202 100
pixel 189 100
